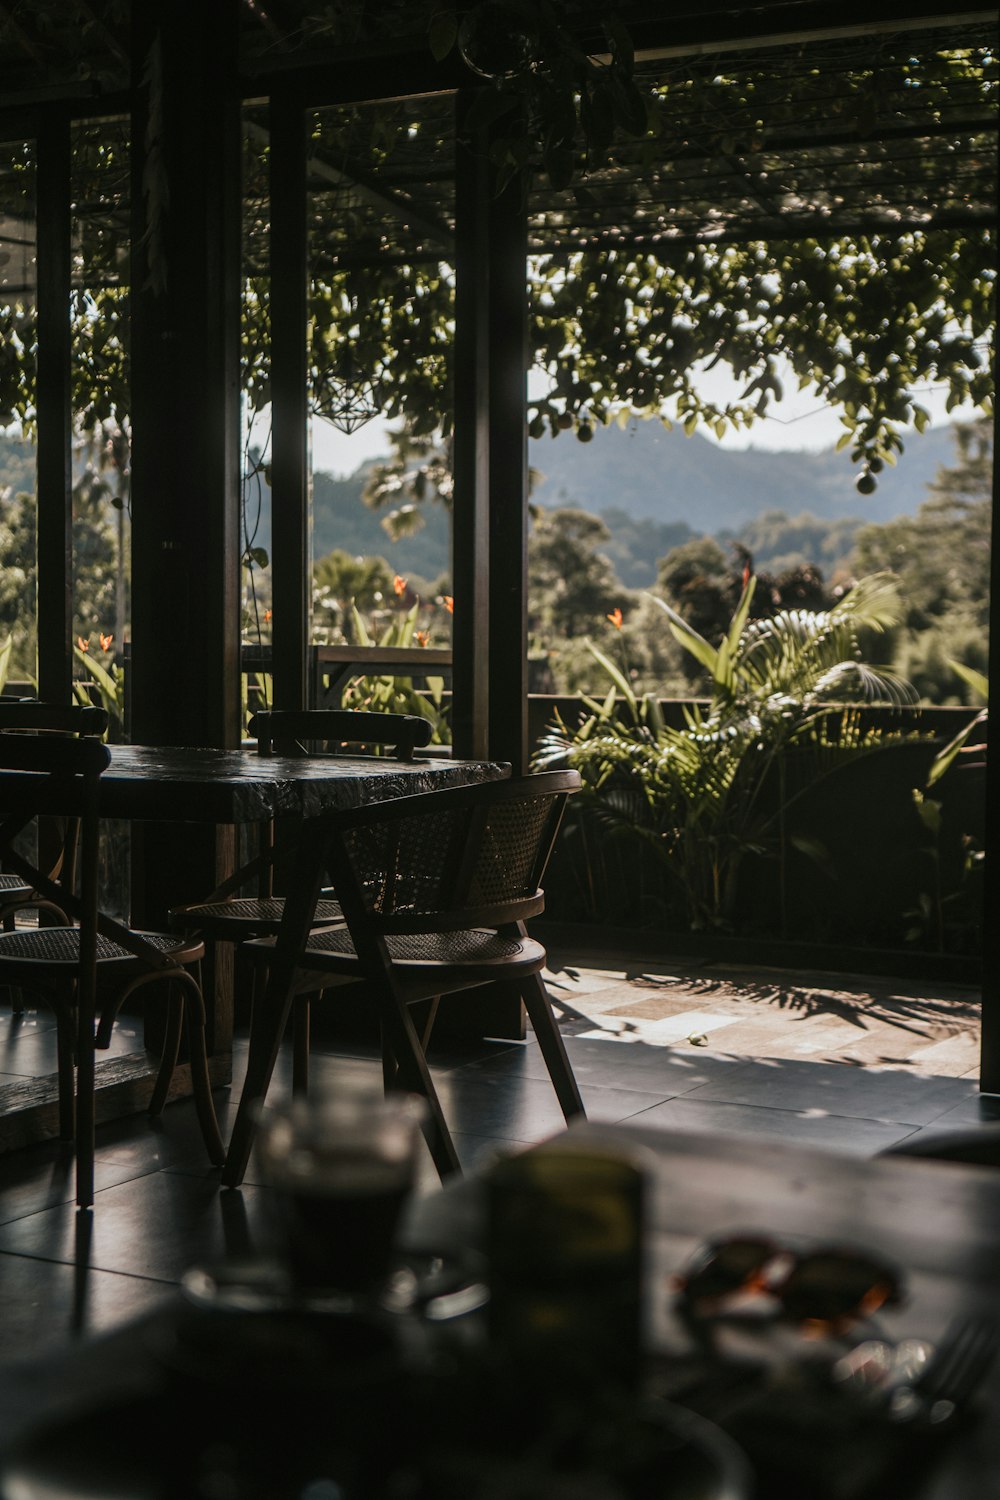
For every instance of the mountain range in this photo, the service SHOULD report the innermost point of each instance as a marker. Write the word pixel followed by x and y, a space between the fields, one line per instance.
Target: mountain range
pixel 654 472
pixel 654 487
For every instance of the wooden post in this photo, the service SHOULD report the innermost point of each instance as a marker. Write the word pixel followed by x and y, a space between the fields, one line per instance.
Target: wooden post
pixel 54 406
pixel 185 374
pixel 290 570
pixel 508 469
pixel 185 329
pixel 989 1066
pixel 470 514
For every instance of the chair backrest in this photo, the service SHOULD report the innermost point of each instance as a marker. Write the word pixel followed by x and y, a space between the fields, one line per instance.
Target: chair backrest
pixel 55 775
pixel 453 858
pixel 24 717
pixel 31 715
pixel 292 732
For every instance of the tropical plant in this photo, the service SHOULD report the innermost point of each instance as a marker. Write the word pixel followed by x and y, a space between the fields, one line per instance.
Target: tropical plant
pixel 784 710
pixel 389 693
pixel 107 678
pixel 941 906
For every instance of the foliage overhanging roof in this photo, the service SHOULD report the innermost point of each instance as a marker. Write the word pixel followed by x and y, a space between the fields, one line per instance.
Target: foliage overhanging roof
pixel 879 127
pixel 816 180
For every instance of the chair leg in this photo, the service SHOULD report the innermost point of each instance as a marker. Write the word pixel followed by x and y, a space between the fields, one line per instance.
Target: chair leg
pixel 66 1070
pixel 201 1081
pixel 412 1072
pixel 429 1010
pixel 270 1017
pixel 389 1069
pixel 86 1109
pixel 171 1050
pixel 300 1045
pixel 178 981
pixel 553 1048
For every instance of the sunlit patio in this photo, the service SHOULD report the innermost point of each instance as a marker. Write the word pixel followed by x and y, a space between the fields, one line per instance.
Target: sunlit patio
pixel 850 1064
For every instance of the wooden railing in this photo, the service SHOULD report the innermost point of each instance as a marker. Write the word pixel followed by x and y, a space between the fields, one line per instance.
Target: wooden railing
pixel 331 668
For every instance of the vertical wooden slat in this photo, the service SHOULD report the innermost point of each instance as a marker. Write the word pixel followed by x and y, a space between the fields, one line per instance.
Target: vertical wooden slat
pixel 470 516
pixel 989 1069
pixel 289 403
pixel 54 407
pixel 508 468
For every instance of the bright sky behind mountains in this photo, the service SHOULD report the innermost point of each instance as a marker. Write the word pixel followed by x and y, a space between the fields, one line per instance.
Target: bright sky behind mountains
pixel 798 422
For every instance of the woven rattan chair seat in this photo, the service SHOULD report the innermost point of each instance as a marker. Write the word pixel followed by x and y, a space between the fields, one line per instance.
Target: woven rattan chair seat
pixel 466 949
pixel 61 945
pixel 256 914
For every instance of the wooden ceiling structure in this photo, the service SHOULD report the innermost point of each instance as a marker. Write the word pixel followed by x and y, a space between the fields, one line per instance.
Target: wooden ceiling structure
pixel 188 79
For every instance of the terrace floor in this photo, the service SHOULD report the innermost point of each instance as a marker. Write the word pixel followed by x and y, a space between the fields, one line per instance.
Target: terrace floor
pixel 849 1063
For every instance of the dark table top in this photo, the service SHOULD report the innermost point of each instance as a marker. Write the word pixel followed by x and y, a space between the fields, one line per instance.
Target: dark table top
pixel 941 1224
pixel 240 786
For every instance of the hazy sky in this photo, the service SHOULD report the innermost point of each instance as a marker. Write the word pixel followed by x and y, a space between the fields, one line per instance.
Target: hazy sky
pixel 798 422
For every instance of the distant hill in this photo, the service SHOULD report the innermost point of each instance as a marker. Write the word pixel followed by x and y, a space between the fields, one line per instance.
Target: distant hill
pixel 341 519
pixel 653 487
pixel 17 465
pixel 649 471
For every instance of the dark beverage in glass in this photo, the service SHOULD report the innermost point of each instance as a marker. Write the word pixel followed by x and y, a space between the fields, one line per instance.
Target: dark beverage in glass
pixel 338 1172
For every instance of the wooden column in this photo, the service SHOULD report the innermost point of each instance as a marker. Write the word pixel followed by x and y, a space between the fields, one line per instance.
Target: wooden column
pixel 185 374
pixel 989 1069
pixel 470 514
pixel 508 470
pixel 290 569
pixel 54 406
pixel 500 525
pixel 185 326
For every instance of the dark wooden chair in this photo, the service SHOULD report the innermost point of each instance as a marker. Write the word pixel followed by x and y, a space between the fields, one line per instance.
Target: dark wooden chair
pixel 86 972
pixel 338 731
pixel 435 890
pixel 229 915
pixel 30 715
pixel 33 716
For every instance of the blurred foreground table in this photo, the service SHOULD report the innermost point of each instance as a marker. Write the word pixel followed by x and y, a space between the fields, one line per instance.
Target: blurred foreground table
pixel 940 1224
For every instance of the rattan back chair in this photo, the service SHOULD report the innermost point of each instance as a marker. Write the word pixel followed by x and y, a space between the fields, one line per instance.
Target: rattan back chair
pixel 87 971
pixel 232 915
pixel 435 891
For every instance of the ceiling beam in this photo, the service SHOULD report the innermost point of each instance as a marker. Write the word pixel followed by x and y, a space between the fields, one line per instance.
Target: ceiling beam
pixel 379 198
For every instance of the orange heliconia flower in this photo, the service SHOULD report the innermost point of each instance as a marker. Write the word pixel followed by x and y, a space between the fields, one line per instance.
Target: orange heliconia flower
pixel 422 637
pixel 448 603
pixel 399 584
pixel 616 618
pixel 106 642
pixel 83 645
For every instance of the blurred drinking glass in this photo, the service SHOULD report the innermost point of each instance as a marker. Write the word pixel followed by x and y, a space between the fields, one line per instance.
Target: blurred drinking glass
pixel 339 1168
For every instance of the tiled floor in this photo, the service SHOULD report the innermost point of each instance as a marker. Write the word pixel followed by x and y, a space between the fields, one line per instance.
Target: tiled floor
pixel 853 1066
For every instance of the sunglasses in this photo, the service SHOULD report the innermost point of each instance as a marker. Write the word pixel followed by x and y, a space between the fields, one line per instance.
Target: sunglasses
pixel 824 1289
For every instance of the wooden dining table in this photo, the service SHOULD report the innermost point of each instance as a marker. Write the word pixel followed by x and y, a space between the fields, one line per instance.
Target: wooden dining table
pixel 169 784
pixel 184 808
